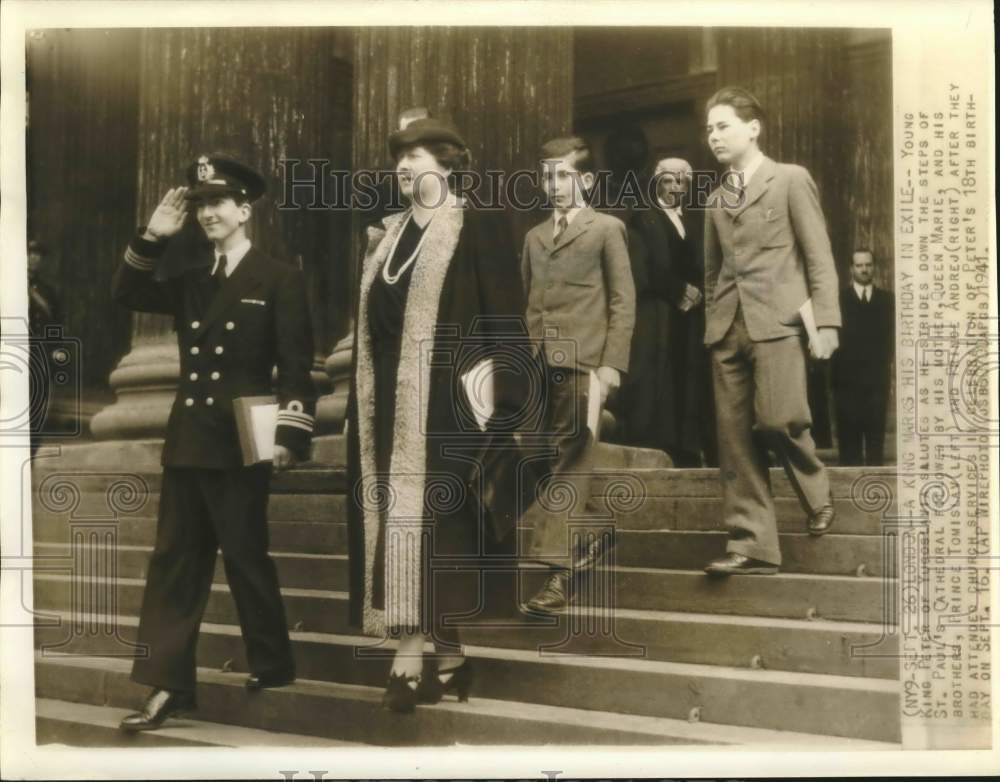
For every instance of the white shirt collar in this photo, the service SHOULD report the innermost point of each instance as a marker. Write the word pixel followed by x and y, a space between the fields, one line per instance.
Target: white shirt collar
pixel 674 214
pixel 751 168
pixel 569 215
pixel 860 289
pixel 669 209
pixel 233 257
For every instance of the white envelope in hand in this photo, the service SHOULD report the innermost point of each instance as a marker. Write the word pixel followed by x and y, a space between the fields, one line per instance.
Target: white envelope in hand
pixel 809 321
pixel 478 386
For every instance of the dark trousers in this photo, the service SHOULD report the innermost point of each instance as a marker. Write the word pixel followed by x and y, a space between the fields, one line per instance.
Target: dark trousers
pixel 861 414
pixel 562 481
pixel 762 403
pixel 200 511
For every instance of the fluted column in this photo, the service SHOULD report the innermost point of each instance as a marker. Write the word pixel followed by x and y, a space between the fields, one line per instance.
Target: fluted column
pixel 263 96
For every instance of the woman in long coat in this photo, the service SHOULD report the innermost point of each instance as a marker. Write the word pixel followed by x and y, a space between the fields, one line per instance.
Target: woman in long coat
pixel 440 291
pixel 667 397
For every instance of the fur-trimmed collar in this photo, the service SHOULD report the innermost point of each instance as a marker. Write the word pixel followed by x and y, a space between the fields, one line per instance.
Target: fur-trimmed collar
pixel 403 495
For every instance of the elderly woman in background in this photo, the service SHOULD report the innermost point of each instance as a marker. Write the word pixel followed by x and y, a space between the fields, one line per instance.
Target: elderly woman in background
pixel 432 276
pixel 667 396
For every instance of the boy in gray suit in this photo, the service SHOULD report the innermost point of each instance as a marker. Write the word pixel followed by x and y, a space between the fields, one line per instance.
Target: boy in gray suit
pixel 581 312
pixel 766 254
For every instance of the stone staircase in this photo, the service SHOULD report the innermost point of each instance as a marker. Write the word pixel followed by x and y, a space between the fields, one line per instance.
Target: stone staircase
pixel 798 659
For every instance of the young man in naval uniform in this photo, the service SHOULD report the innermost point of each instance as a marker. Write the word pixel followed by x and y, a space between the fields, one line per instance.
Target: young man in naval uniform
pixel 237 316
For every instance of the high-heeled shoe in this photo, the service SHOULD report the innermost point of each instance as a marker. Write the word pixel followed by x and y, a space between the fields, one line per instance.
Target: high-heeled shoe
pixel 459 681
pixel 400 695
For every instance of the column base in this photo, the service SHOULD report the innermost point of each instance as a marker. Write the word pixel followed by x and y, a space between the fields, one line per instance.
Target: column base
pixel 145 383
pixel 331 409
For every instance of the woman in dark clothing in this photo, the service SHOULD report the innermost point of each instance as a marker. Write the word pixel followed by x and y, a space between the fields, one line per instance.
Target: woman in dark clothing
pixel 667 400
pixel 440 291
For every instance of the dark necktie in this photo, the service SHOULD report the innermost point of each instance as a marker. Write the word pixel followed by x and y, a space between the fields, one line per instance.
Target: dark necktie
pixel 560 228
pixel 220 272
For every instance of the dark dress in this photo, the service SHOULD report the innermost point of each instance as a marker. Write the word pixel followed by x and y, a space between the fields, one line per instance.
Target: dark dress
pixel 387 306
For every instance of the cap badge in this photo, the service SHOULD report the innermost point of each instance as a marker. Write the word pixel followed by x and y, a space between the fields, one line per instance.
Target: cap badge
pixel 205 169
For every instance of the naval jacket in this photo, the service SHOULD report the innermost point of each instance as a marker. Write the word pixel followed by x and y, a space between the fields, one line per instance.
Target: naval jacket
pixel 230 343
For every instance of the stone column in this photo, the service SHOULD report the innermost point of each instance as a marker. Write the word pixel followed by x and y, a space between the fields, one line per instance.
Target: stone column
pixel 263 96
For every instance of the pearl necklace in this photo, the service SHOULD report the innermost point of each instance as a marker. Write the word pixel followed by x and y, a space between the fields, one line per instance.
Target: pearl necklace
pixel 391 279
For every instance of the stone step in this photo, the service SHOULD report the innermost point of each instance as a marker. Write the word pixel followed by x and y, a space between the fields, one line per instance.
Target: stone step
pixel 797 645
pixel 329 452
pixel 793 595
pixel 694 514
pixel 124 489
pixel 313 571
pixel 352 712
pixel 84 725
pixel 868 484
pixel 850 707
pixel 318 537
pixel 831 554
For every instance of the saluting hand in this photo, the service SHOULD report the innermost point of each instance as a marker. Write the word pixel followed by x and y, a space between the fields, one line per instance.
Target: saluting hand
pixel 169 215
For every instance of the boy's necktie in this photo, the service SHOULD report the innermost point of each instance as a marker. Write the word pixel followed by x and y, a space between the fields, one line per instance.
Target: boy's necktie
pixel 560 228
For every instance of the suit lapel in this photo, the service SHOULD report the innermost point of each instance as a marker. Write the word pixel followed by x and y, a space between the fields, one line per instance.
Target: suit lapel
pixel 669 229
pixel 238 283
pixel 544 232
pixel 580 224
pixel 656 221
pixel 758 186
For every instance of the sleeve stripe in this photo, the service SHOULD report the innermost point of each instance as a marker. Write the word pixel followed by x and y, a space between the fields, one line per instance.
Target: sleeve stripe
pixel 302 417
pixel 137 261
pixel 297 425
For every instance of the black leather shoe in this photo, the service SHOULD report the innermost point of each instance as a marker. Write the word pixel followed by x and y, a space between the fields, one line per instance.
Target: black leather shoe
pixel 735 564
pixel 159 705
pixel 457 680
pixel 263 681
pixel 821 521
pixel 554 594
pixel 401 693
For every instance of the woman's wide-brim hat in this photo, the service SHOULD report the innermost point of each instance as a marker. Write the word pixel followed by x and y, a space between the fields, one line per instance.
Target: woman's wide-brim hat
pixel 421 132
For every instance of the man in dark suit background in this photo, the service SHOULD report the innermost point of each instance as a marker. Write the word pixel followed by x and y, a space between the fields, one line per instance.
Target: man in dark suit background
pixel 862 366
pixel 666 400
pixel 238 315
pixel 766 254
